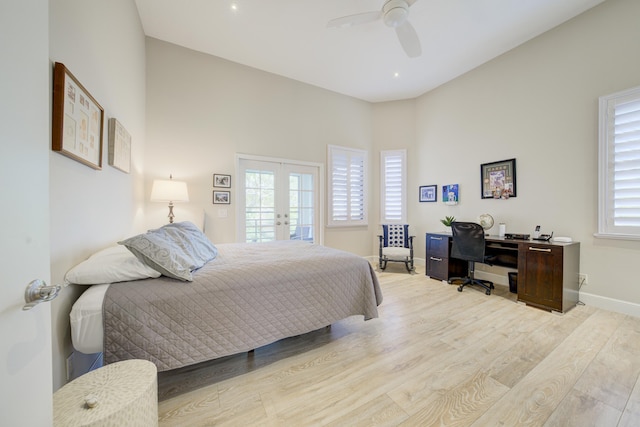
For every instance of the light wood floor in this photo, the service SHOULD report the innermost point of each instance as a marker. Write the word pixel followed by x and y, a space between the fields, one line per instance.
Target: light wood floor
pixel 434 357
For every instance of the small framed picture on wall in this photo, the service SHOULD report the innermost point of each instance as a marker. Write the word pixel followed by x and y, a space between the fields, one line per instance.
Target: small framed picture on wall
pixel 428 193
pixel 220 180
pixel 222 197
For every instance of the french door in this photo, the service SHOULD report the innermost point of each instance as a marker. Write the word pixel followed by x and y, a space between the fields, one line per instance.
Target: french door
pixel 278 200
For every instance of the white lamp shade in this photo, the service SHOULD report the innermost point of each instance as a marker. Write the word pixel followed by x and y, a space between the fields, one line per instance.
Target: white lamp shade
pixel 169 191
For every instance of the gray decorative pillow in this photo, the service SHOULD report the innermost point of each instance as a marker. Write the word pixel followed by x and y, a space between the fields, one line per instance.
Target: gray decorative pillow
pixel 174 250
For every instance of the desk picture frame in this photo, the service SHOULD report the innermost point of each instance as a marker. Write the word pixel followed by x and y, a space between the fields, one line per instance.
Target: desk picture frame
pixel 428 193
pixel 498 179
pixel 77 120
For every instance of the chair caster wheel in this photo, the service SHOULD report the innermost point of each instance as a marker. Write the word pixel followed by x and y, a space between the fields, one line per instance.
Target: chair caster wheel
pixel 488 292
pixel 459 288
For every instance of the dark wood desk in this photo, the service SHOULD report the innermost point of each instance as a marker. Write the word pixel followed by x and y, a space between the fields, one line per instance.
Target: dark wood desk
pixel 547 271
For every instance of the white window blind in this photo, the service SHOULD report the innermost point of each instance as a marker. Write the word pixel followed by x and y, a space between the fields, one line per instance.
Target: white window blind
pixel 619 165
pixel 347 186
pixel 393 187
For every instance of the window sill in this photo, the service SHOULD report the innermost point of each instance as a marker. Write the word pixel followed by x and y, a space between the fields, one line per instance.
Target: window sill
pixel 616 236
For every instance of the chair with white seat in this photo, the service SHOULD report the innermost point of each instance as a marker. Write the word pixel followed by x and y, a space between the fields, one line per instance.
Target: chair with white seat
pixel 396 246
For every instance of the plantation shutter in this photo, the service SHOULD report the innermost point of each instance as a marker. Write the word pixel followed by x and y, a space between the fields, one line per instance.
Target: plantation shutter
pixel 393 189
pixel 619 214
pixel 347 186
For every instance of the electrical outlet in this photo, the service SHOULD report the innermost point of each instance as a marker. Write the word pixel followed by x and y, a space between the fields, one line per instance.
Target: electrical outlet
pixel 583 279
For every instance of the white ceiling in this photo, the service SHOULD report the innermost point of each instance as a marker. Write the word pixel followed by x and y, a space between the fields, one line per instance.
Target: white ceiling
pixel 290 38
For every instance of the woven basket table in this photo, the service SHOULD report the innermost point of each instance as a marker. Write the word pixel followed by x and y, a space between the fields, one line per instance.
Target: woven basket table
pixel 120 394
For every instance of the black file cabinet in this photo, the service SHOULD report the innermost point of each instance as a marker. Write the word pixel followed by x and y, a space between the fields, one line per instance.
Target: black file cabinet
pixel 439 264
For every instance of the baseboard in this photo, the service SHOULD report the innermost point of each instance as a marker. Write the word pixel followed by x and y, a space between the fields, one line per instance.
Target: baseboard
pixel 605 303
pixel 611 304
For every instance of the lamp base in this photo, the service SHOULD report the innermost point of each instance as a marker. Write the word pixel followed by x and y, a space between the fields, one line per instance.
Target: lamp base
pixel 171 215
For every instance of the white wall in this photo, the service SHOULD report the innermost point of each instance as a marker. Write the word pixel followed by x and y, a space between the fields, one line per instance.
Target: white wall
pixel 202 110
pixel 539 104
pixel 394 128
pixel 102 44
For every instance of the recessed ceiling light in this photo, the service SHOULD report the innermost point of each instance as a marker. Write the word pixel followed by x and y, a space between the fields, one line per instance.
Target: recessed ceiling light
pixel 396 75
pixel 234 7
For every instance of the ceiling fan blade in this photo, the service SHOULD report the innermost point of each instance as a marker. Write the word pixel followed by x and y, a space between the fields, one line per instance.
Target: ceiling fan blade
pixel 357 19
pixel 409 39
pixel 411 2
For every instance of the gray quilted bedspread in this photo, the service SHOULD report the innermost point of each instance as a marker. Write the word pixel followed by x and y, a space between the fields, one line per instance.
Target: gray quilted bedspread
pixel 250 295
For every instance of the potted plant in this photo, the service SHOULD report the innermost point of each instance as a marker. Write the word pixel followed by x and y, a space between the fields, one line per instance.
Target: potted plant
pixel 448 220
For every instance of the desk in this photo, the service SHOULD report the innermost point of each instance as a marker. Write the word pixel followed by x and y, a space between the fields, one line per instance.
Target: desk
pixel 547 271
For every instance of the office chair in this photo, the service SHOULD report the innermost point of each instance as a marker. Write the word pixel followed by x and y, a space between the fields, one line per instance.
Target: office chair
pixel 468 244
pixel 396 246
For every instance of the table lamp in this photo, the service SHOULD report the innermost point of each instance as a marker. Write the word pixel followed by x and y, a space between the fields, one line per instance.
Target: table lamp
pixel 164 190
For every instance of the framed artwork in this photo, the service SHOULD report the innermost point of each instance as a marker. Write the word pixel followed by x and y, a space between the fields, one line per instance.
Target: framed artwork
pixel 498 179
pixel 451 194
pixel 222 197
pixel 77 120
pixel 428 193
pixel 220 180
pixel 119 146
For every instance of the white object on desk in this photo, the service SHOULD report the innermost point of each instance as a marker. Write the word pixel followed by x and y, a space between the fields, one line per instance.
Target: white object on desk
pixel 562 239
pixel 120 394
pixel 502 229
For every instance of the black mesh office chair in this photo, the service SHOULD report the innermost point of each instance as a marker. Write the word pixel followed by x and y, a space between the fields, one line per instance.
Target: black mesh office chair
pixel 468 244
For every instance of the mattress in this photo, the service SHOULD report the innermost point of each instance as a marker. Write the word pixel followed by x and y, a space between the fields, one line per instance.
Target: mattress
pixel 86 320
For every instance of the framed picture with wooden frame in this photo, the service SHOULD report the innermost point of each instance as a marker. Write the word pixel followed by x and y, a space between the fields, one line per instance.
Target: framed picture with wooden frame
pixel 78 120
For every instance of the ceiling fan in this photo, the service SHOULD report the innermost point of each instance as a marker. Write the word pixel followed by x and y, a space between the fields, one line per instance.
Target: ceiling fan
pixel 394 14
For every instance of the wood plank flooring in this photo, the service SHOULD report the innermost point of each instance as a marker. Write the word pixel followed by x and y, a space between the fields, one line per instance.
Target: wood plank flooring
pixel 434 357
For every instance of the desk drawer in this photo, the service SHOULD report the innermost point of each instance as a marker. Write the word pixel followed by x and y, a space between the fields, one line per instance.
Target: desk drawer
pixel 437 268
pixel 437 246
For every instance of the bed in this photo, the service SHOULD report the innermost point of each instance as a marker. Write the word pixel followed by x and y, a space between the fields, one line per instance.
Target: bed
pixel 246 296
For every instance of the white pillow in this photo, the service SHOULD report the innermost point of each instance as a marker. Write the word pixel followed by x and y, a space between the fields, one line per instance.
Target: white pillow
pixel 110 265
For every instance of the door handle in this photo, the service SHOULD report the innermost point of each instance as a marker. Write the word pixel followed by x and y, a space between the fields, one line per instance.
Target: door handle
pixel 37 291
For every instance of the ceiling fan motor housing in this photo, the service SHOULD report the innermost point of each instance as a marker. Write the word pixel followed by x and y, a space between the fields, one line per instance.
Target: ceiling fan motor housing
pixel 395 13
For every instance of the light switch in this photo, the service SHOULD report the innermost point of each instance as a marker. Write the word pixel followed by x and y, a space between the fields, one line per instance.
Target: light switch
pixel 222 213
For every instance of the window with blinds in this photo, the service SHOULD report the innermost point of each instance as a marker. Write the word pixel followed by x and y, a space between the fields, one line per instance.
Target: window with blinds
pixel 393 188
pixel 619 165
pixel 347 187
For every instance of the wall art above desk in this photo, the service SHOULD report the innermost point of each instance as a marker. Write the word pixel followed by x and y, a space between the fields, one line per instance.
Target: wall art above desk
pixel 498 179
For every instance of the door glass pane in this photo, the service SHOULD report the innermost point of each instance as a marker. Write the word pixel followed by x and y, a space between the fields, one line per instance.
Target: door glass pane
pixel 301 206
pixel 260 206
